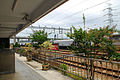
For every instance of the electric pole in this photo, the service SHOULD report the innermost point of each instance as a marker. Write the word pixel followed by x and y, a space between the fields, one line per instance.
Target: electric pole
pixel 109 15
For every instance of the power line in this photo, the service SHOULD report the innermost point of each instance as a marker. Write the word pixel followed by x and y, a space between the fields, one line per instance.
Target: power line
pixel 88 20
pixel 82 11
pixel 40 27
pixel 95 18
pixel 75 5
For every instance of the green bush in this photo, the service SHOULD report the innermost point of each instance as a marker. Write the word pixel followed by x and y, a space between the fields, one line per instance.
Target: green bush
pixel 63 68
pixel 116 57
pixel 16 45
pixel 21 51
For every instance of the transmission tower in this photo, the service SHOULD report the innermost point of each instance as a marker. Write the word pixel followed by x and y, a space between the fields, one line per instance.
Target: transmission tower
pixel 110 15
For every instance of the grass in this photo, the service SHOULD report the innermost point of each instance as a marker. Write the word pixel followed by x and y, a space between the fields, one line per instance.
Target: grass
pixel 64 70
pixel 74 76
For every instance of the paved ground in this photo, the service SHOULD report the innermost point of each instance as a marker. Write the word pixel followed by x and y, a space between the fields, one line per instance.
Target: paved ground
pixel 23 72
pixel 32 71
pixel 49 75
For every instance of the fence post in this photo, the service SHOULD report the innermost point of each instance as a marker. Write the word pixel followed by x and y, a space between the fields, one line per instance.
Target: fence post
pixel 91 69
pixel 88 72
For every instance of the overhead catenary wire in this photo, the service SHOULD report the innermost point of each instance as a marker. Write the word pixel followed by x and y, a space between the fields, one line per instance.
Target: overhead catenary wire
pixel 69 16
pixel 78 12
pixel 75 5
pixel 93 19
pixel 73 15
pixel 89 20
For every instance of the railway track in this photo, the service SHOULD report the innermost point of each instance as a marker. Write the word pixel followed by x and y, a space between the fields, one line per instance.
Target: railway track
pixel 79 64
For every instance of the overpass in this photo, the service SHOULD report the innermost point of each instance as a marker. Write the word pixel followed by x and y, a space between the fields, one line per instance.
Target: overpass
pixel 15 16
pixel 28 39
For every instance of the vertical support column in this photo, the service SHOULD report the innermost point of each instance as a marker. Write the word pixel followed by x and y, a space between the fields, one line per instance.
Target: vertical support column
pixel 71 30
pixel 54 36
pixel 28 39
pixel 18 40
pixel 14 39
pixel 57 36
pixel 7 57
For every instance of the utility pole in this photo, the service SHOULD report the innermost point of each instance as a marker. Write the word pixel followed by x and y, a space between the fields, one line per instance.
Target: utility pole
pixel 84 21
pixel 71 30
pixel 60 30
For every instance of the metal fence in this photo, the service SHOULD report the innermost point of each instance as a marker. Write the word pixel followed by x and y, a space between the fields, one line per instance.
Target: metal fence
pixel 85 68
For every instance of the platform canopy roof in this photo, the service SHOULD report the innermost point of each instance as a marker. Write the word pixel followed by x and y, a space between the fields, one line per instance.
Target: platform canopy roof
pixel 16 15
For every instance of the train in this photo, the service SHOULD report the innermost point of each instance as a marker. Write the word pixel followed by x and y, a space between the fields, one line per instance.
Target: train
pixel 63 44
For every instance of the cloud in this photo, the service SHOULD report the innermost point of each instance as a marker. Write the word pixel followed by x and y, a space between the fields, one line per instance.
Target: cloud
pixel 70 13
pixel 65 14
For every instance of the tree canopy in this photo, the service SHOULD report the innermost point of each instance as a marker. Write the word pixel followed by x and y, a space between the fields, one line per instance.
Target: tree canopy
pixel 39 36
pixel 95 40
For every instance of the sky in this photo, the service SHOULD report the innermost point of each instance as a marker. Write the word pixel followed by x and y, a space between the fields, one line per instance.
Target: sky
pixel 71 14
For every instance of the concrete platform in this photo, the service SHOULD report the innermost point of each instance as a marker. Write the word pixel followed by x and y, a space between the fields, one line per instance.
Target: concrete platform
pixel 48 75
pixel 23 72
pixel 32 71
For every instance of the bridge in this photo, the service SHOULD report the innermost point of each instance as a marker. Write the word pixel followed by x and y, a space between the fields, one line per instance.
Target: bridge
pixel 17 39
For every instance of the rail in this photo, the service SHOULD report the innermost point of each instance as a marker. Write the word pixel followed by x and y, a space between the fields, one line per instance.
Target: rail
pixel 86 68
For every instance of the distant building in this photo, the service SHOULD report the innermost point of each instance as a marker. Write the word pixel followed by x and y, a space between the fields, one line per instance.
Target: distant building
pixel 116 39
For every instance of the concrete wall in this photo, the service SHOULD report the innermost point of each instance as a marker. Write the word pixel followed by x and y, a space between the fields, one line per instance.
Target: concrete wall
pixel 7 57
pixel 7 61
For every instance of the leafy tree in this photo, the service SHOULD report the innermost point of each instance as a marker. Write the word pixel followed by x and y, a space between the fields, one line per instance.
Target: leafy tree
pixel 16 45
pixel 101 41
pixel 81 42
pixel 81 39
pixel 46 45
pixel 39 37
pixel 95 40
